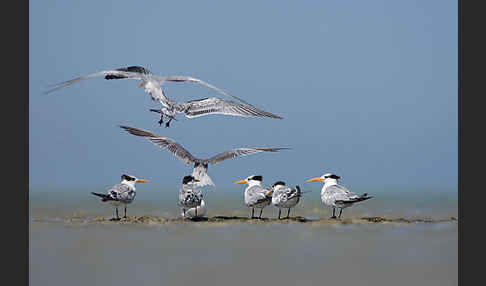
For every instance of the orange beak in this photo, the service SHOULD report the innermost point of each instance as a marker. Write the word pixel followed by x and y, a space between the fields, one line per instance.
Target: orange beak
pixel 141 181
pixel 316 180
pixel 197 180
pixel 269 192
pixel 241 182
pixel 141 84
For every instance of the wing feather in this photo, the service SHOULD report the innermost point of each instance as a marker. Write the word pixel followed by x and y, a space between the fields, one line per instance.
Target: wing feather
pixel 133 72
pixel 163 142
pixel 233 153
pixel 181 78
pixel 214 105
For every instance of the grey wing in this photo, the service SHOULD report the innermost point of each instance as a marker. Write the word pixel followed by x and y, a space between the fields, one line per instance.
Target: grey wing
pixel 133 72
pixel 233 153
pixel 340 193
pixel 214 105
pixel 292 193
pixel 181 78
pixel 117 190
pixel 127 196
pixel 163 142
pixel 256 194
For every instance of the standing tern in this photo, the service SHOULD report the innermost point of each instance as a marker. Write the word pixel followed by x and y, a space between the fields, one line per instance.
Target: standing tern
pixel 200 165
pixel 256 196
pixel 153 85
pixel 284 196
pixel 337 196
pixel 123 193
pixel 190 196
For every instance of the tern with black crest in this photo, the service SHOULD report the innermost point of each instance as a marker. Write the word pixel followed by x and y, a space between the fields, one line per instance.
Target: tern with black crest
pixel 256 196
pixel 335 195
pixel 190 196
pixel 284 196
pixel 121 194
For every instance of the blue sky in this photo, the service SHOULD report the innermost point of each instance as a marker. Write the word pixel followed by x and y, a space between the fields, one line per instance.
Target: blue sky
pixel 368 90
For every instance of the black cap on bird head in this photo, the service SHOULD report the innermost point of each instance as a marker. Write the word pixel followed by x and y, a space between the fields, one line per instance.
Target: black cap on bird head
pixel 278 183
pixel 187 179
pixel 256 178
pixel 332 176
pixel 127 177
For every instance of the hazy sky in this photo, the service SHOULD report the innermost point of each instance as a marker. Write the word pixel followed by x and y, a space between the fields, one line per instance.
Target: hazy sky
pixel 368 90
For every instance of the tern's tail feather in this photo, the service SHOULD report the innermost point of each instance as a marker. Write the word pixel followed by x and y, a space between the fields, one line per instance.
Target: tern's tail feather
pixel 363 197
pixel 104 197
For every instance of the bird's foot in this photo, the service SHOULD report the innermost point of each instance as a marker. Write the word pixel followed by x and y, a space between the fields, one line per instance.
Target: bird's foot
pixel 125 217
pixel 167 125
pixel 334 217
pixel 161 121
pixel 114 219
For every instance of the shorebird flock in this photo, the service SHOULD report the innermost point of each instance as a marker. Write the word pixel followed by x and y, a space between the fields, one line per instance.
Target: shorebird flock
pixel 190 195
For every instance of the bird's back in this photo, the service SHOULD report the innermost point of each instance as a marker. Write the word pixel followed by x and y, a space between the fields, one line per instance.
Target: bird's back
pixel 190 196
pixel 286 196
pixel 334 193
pixel 255 195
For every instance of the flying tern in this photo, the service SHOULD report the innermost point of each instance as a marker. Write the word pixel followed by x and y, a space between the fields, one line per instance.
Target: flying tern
pixel 200 165
pixel 154 84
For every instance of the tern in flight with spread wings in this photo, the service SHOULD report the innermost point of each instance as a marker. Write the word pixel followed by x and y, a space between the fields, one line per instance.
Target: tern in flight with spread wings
pixel 154 85
pixel 200 165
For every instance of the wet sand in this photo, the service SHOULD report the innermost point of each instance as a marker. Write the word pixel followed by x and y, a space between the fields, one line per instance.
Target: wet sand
pixel 74 242
pixel 228 220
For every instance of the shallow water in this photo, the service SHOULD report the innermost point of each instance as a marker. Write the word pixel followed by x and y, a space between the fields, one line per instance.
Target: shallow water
pixel 192 253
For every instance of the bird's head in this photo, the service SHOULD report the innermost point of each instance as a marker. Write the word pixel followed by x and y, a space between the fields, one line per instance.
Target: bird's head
pixel 131 180
pixel 251 180
pixel 327 177
pixel 278 183
pixel 189 180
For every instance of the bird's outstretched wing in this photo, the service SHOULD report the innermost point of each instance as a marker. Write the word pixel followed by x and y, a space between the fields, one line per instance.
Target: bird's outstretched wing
pixel 132 72
pixel 141 73
pixel 181 78
pixel 214 105
pixel 164 142
pixel 233 153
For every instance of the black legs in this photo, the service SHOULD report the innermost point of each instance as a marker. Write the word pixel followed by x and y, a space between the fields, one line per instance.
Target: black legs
pixel 261 210
pixel 252 212
pixel 116 213
pixel 125 212
pixel 279 211
pixel 333 212
pixel 288 213
pixel 167 125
